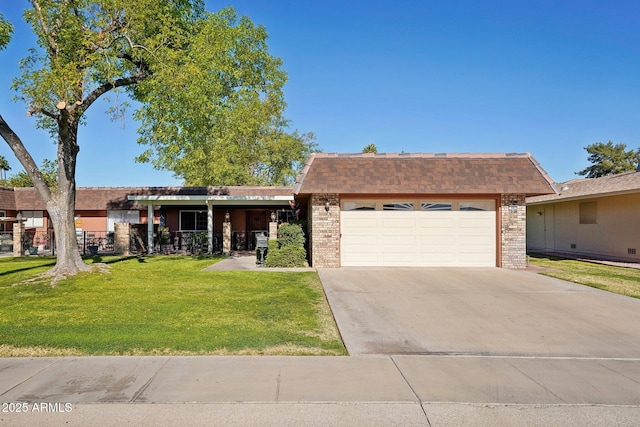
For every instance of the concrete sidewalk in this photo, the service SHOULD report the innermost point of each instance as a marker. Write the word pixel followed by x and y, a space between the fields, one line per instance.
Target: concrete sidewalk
pixel 285 390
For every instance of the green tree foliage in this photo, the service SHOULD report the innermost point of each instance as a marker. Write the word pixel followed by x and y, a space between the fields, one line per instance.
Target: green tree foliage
pixel 370 148
pixel 4 167
pixel 274 158
pixel 6 29
pixel 205 83
pixel 49 171
pixel 609 159
pixel 221 123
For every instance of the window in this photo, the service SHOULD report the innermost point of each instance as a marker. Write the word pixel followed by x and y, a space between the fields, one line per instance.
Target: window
pixel 193 220
pixel 33 219
pixel 3 226
pixel 359 206
pixel 476 206
pixel 435 206
pixel 587 213
pixel 114 217
pixel 398 206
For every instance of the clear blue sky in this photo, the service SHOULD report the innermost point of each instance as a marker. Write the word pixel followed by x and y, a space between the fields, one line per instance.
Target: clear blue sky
pixel 545 77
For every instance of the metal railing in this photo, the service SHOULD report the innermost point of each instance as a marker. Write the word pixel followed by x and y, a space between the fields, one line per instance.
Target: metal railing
pixel 6 242
pixel 103 242
pixel 95 242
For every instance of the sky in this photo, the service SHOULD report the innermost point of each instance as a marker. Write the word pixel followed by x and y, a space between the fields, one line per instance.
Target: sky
pixel 548 77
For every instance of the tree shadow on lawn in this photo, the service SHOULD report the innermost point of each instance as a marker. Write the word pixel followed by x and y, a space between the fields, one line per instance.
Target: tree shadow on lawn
pixel 27 268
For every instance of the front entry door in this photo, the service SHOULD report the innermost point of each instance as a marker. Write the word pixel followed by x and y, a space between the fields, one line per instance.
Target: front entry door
pixel 256 223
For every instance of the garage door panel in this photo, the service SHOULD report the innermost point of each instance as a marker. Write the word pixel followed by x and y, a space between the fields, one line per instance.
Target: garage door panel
pixel 475 221
pixel 409 240
pixel 437 240
pixel 475 260
pixel 475 239
pixel 437 223
pixel 418 238
pixel 360 240
pixel 388 223
pixel 437 259
pixel 365 224
pixel 436 232
pixel 399 258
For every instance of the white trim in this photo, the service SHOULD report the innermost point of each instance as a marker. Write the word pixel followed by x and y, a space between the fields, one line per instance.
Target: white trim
pixel 222 200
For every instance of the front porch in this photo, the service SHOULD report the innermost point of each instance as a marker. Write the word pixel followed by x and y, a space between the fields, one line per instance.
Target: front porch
pixel 213 223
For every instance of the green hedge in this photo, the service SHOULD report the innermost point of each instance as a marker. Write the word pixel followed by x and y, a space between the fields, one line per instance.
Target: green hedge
pixel 288 249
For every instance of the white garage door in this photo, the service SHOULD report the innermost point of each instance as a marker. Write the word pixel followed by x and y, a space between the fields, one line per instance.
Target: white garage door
pixel 421 234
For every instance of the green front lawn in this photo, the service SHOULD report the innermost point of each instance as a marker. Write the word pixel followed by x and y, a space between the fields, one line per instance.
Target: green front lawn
pixel 620 280
pixel 162 305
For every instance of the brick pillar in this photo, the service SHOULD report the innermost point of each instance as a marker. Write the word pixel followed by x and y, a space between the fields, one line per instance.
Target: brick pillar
pixel 325 230
pixel 122 238
pixel 273 230
pixel 18 232
pixel 226 238
pixel 513 236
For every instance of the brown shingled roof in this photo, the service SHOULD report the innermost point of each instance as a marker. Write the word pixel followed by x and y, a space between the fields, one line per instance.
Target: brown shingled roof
pixel 108 198
pixel 628 182
pixel 7 199
pixel 423 173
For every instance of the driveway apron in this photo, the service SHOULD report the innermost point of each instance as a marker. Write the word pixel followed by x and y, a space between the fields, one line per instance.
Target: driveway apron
pixel 478 311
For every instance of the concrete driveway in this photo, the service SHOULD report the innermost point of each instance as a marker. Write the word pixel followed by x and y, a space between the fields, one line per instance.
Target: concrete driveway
pixel 478 311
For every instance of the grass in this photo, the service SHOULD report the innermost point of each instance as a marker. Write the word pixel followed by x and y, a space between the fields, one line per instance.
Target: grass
pixel 619 280
pixel 162 305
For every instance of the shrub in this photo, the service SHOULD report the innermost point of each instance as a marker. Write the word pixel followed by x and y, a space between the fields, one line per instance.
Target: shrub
pixel 286 256
pixel 288 249
pixel 290 235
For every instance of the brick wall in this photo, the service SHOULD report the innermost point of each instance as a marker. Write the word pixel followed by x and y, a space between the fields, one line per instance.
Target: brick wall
pixel 325 230
pixel 513 212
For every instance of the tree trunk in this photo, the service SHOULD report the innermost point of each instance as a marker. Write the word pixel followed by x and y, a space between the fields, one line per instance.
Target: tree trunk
pixel 62 204
pixel 61 210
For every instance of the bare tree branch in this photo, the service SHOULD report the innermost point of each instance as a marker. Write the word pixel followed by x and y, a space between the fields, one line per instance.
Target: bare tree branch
pixel 25 159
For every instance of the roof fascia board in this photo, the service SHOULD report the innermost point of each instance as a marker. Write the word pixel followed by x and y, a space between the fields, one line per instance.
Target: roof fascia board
pixel 592 196
pixel 216 200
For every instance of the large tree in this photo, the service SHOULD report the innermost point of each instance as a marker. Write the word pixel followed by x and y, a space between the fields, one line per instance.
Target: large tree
pixel 272 158
pixel 188 70
pixel 609 159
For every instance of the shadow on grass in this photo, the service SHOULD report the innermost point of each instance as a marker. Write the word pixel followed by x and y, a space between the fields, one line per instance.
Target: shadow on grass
pixel 27 268
pixel 99 259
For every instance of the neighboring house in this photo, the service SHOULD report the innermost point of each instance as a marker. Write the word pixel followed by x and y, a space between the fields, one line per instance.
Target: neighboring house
pixel 361 209
pixel 588 217
pixel 419 209
pixel 182 210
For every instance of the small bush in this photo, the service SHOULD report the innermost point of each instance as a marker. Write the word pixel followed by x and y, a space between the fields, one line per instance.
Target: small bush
pixel 286 256
pixel 290 235
pixel 288 249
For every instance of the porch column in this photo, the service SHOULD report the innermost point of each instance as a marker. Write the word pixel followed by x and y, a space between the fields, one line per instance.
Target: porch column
pixel 18 232
pixel 226 235
pixel 150 229
pixel 209 227
pixel 273 228
pixel 122 236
